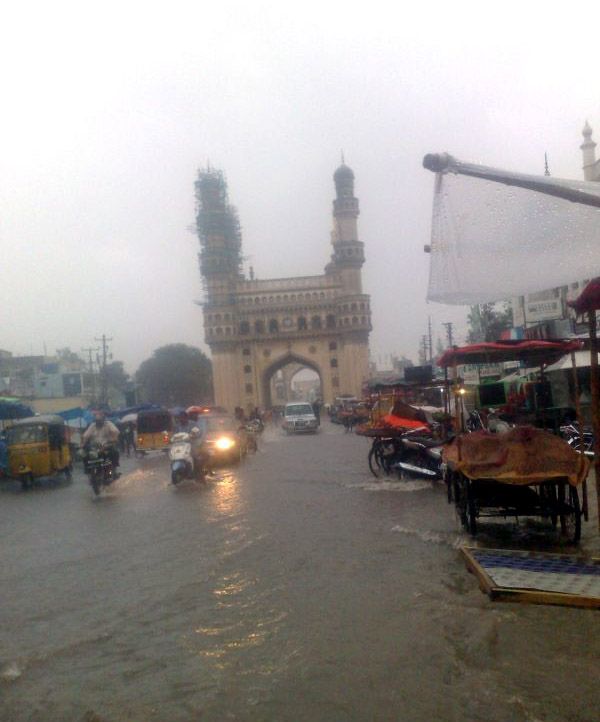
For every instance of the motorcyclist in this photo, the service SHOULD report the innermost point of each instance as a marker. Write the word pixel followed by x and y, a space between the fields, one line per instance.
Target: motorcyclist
pixel 104 434
pixel 199 454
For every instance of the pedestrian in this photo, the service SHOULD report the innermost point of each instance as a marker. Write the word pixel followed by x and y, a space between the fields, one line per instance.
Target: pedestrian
pixel 317 410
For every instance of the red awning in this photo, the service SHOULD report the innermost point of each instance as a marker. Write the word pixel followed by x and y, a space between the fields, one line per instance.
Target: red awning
pixel 588 299
pixel 533 353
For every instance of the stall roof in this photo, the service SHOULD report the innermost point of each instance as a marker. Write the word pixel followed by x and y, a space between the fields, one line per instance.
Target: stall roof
pixel 588 299
pixel 533 353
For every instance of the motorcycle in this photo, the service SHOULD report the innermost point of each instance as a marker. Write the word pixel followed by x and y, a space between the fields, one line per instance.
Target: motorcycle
pixel 185 464
pixel 99 468
pixel 573 437
pixel 252 432
pixel 419 456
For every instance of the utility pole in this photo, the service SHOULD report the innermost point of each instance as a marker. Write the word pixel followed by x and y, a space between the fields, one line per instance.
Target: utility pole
pixel 424 348
pixel 430 340
pixel 448 325
pixel 103 379
pixel 89 352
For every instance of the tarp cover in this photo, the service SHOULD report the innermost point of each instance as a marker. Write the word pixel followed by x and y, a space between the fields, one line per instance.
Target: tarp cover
pixel 523 455
pixel 491 241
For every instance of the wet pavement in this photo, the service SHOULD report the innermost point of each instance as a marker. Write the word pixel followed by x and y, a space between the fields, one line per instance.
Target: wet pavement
pixel 294 587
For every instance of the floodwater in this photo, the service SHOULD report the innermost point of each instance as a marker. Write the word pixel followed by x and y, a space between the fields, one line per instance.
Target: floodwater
pixel 295 588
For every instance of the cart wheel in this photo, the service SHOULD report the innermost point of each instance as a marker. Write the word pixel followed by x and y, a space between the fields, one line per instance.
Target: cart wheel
pixel 471 510
pixel 460 499
pixel 449 485
pixel 570 515
pixel 550 497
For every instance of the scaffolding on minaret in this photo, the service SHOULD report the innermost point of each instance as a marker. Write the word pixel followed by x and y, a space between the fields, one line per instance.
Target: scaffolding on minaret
pixel 218 228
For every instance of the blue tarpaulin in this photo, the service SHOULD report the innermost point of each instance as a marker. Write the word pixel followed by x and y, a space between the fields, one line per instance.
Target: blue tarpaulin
pixel 77 414
pixel 12 410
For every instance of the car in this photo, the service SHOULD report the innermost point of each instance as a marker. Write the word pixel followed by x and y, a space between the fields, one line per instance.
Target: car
pixel 223 436
pixel 299 417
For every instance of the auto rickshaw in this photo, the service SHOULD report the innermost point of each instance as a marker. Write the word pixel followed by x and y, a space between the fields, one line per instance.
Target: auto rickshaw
pixel 38 446
pixel 154 428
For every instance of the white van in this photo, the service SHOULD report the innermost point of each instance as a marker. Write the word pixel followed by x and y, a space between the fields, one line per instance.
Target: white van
pixel 299 417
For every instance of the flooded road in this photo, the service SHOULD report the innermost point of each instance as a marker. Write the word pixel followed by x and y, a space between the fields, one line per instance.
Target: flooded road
pixel 295 587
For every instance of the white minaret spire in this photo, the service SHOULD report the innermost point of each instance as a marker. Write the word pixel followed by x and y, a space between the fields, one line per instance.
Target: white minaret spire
pixel 589 152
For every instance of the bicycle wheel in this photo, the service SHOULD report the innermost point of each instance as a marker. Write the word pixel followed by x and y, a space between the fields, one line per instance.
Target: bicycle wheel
pixel 374 458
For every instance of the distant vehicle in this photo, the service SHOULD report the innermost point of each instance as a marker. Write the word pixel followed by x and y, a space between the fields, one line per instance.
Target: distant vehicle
pixel 299 418
pixel 154 427
pixel 340 404
pixel 38 446
pixel 225 439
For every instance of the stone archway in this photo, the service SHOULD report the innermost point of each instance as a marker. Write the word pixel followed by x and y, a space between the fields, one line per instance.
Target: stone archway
pixel 280 363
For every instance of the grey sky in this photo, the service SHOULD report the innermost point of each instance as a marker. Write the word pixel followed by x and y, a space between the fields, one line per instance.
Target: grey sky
pixel 110 108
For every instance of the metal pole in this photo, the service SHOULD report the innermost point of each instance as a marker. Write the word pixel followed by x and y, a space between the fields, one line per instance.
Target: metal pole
pixel 584 505
pixel 595 403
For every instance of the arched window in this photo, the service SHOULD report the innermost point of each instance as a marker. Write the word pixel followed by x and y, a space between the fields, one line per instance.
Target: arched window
pixel 330 321
pixel 244 327
pixel 302 325
pixel 227 330
pixel 218 317
pixel 333 363
pixel 322 295
pixel 354 320
pixel 247 369
pixel 219 330
pixel 257 300
pixel 353 307
pixel 315 322
pixel 259 326
pixel 273 325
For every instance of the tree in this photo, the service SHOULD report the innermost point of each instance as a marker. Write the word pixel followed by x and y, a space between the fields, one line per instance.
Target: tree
pixel 116 376
pixel 176 375
pixel 487 322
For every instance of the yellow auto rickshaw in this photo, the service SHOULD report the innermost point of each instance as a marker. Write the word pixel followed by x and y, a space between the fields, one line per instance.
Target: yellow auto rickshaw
pixel 38 446
pixel 154 428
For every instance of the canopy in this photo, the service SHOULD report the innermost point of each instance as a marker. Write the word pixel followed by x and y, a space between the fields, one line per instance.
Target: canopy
pixel 490 228
pixel 533 353
pixel 582 361
pixel 76 414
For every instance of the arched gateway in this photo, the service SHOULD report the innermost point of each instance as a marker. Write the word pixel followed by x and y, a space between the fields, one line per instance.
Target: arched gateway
pixel 256 327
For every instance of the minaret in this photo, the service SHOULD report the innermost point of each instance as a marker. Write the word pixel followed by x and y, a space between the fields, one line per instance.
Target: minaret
pixel 589 153
pixel 220 238
pixel 348 252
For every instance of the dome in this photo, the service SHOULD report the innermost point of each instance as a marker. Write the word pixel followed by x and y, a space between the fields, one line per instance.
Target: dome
pixel 343 173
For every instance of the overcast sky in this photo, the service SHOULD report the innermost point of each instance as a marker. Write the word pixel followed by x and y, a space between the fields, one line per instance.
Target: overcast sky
pixel 108 110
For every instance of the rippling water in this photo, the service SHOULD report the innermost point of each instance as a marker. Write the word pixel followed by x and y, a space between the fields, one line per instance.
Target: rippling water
pixel 292 588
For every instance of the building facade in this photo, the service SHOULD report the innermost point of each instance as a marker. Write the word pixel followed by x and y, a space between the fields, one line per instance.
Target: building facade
pixel 255 327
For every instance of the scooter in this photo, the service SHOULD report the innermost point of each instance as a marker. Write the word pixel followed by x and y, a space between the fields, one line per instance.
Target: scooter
pixel 184 465
pixel 99 468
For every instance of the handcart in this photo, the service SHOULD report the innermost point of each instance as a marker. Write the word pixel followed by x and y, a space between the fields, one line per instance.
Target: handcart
pixel 526 471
